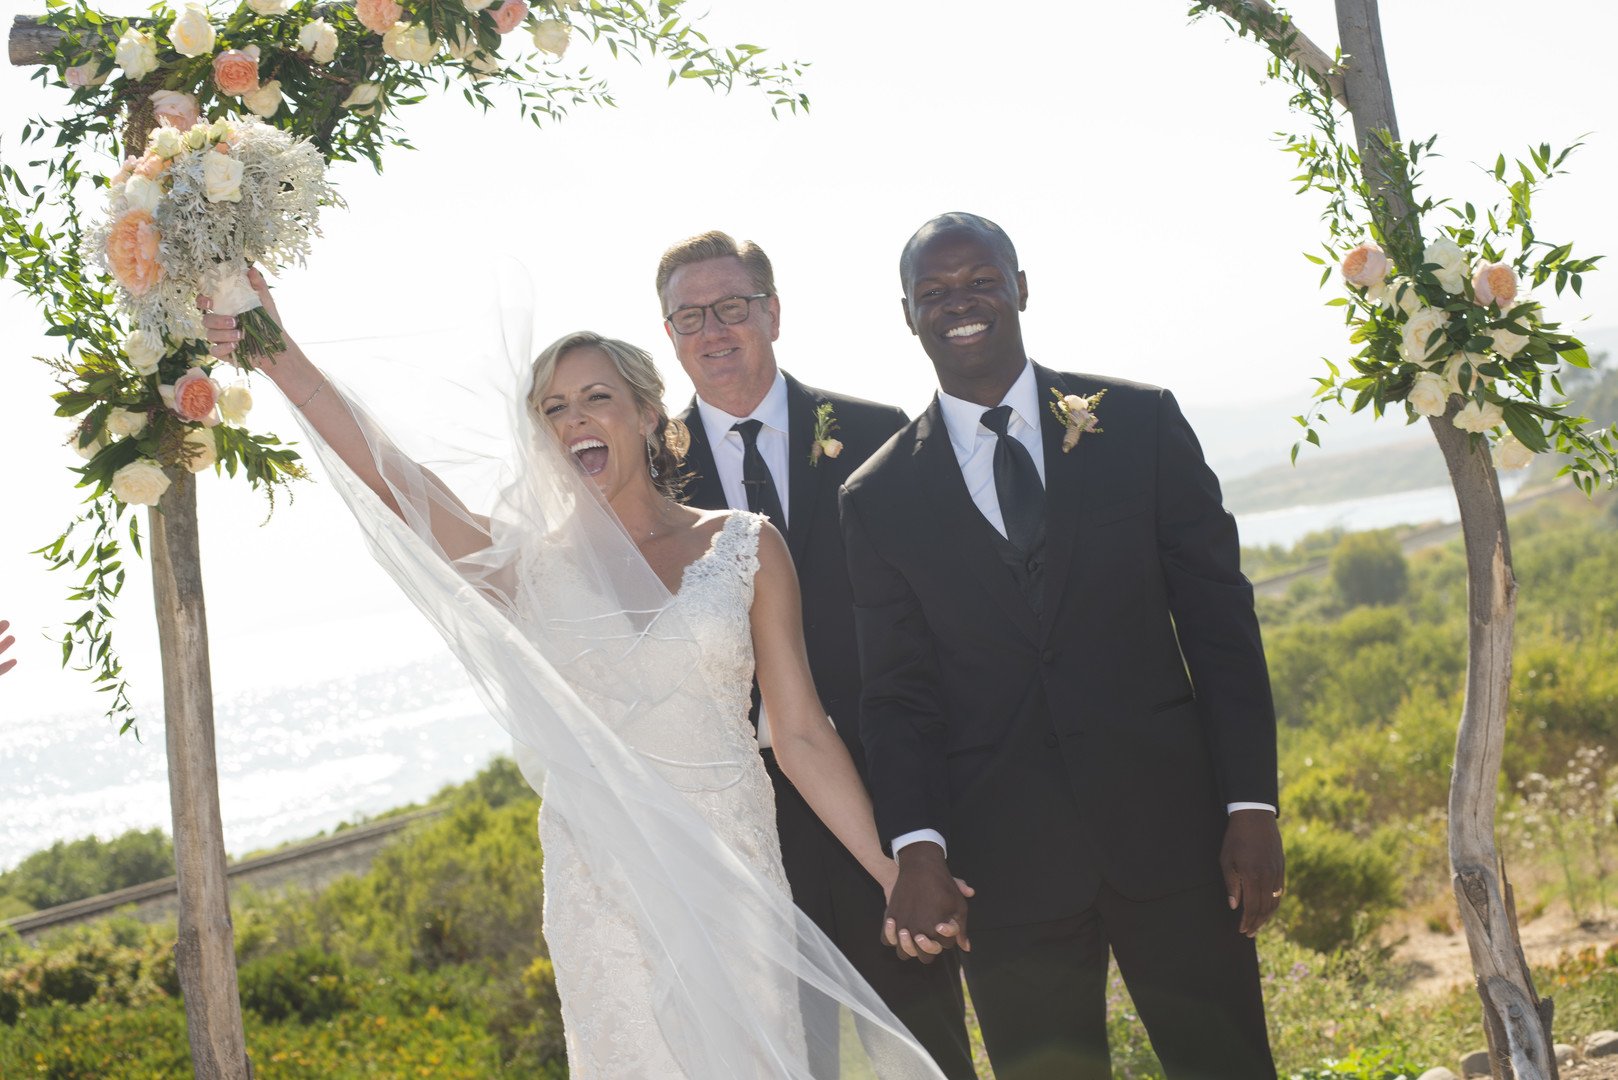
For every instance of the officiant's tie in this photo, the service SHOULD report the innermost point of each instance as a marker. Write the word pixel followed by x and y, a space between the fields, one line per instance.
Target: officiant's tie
pixel 762 498
pixel 1016 482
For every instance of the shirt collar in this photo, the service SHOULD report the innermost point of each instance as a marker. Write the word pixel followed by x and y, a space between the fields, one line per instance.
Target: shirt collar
pixel 772 411
pixel 964 419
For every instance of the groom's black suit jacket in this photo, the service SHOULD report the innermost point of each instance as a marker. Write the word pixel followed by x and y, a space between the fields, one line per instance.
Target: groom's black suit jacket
pixel 813 535
pixel 1093 731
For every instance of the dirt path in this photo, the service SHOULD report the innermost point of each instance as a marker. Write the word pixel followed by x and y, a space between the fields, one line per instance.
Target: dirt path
pixel 1440 962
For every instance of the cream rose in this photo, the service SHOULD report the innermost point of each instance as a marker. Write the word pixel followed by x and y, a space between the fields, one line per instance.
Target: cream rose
pixel 475 6
pixel 1479 418
pixel 136 53
pixel 1510 453
pixel 144 350
pixel 409 41
pixel 270 7
pixel 235 402
pixel 166 142
pixel 222 178
pixel 202 449
pixel 1506 343
pixel 1495 284
pixel 125 422
pixel 175 109
pixel 319 40
pixel 81 75
pixel 1429 394
pixel 192 33
pixel 1421 334
pixel 89 450
pixel 460 44
pixel 362 97
pixel 1365 266
pixel 551 35
pixel 1452 371
pixel 1451 263
pixel 228 290
pixel 140 483
pixel 509 14
pixel 142 194
pixel 196 138
pixel 266 100
pixel 378 16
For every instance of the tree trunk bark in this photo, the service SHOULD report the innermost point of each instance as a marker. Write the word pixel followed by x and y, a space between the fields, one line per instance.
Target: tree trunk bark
pixel 1517 1022
pixel 205 953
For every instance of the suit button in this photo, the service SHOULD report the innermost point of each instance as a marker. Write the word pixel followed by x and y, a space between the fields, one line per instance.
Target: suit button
pixel 1051 741
pixel 1033 566
pixel 1047 657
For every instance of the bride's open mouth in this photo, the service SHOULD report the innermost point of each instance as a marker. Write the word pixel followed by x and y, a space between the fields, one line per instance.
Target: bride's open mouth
pixel 591 454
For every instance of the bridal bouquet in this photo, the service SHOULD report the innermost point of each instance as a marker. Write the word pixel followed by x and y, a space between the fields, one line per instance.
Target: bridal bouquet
pixel 193 212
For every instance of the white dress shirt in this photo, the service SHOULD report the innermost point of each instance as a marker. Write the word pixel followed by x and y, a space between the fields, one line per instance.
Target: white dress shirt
pixel 974 451
pixel 728 450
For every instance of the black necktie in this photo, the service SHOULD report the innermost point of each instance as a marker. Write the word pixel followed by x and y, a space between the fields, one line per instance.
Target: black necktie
pixel 762 497
pixel 1016 482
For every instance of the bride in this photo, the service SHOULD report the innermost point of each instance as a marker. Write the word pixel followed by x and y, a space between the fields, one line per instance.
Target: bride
pixel 616 634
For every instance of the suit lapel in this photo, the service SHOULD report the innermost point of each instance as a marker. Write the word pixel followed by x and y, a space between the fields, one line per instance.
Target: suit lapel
pixel 1064 491
pixel 704 490
pixel 803 480
pixel 964 528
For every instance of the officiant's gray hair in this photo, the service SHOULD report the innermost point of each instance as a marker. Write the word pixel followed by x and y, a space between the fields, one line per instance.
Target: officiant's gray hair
pixel 717 245
pixel 671 440
pixel 955 219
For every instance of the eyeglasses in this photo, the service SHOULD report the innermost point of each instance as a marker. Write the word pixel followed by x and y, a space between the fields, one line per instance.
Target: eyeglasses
pixel 730 311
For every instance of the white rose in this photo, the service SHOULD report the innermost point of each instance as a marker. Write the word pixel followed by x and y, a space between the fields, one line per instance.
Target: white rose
pixel 235 402
pixel 141 193
pixel 221 178
pixel 266 100
pixel 192 33
pixel 140 483
pixel 1429 394
pixel 125 422
pixel 270 7
pixel 1509 453
pixel 319 40
pixel 136 53
pixel 476 6
pixel 1451 261
pixel 200 442
pixel 409 41
pixel 219 130
pixel 362 97
pixel 1421 331
pixel 1452 371
pixel 144 351
pixel 461 44
pixel 1506 343
pixel 167 142
pixel 196 138
pixel 227 288
pixel 1479 418
pixel 96 445
pixel 550 35
pixel 1401 293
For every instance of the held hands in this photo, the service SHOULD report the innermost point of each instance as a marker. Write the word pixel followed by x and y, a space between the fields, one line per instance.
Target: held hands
pixel 224 331
pixel 926 906
pixel 1254 867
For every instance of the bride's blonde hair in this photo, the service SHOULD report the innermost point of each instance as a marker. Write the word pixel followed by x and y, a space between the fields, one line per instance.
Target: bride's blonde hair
pixel 669 442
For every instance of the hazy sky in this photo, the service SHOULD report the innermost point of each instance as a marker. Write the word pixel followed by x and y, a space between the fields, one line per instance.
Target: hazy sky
pixel 1129 154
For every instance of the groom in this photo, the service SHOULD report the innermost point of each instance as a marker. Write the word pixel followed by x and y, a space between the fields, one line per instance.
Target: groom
pixel 1065 701
pixel 753 445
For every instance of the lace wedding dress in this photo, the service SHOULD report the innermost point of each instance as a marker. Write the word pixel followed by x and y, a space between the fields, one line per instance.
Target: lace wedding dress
pixel 610 990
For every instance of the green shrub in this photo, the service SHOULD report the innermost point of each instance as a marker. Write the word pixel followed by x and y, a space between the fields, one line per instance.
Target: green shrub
pixel 71 870
pixel 1339 888
pixel 1369 568
pixel 306 985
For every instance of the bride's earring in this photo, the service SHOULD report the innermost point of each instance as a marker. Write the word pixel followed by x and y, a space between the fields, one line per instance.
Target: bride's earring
pixel 651 456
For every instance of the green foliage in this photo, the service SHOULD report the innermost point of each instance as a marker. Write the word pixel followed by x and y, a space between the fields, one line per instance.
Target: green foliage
pixel 116 962
pixel 71 870
pixel 1369 568
pixel 305 984
pixel 1339 888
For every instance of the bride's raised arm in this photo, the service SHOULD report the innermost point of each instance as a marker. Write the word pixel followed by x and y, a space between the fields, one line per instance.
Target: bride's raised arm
pixel 456 529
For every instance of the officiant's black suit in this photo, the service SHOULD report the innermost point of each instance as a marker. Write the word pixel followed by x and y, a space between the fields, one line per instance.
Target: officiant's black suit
pixel 1074 720
pixel 828 884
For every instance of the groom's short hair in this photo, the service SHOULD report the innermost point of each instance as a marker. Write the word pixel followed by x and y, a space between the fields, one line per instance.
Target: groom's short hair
pixel 955 219
pixel 717 245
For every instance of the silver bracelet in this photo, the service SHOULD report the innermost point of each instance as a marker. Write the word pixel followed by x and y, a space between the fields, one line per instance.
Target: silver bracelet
pixel 312 396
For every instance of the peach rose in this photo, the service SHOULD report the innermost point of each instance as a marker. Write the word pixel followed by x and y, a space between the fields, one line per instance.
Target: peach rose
pixel 174 109
pixel 1495 284
pixel 378 16
pixel 194 397
pixel 132 252
pixel 1365 266
pixel 508 15
pixel 82 75
pixel 151 166
pixel 235 72
pixel 124 173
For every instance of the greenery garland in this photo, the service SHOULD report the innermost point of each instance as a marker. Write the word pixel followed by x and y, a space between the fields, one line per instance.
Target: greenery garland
pixel 335 74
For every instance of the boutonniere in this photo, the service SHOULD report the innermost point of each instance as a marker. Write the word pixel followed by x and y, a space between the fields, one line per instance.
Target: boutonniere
pixel 824 445
pixel 1077 414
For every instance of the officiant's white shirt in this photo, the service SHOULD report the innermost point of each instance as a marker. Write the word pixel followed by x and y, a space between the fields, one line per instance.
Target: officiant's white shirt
pixel 728 450
pixel 974 452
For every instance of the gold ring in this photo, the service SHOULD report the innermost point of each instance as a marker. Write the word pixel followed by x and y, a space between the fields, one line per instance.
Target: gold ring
pixel 1276 895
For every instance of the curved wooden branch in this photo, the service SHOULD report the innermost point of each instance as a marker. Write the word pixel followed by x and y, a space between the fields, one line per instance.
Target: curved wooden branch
pixel 1262 19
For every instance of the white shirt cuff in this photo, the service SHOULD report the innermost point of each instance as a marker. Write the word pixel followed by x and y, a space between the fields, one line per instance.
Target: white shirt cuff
pixel 1230 808
pixel 920 834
